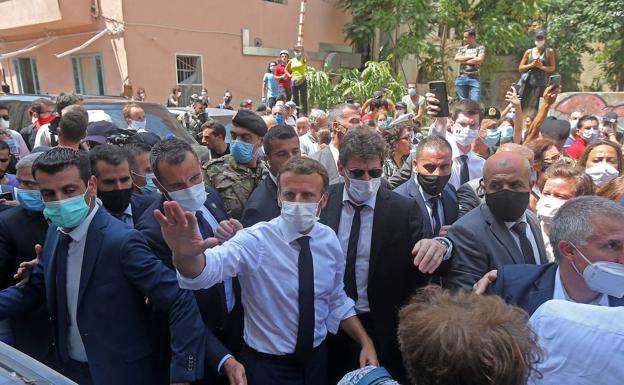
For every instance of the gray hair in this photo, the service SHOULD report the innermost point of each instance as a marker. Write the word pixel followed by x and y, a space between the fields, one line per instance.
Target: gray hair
pixel 573 221
pixel 28 160
pixel 316 116
pixel 336 113
pixel 362 142
pixel 435 142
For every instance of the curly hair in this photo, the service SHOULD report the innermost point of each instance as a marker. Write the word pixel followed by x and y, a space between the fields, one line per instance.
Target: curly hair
pixel 391 136
pixel 466 339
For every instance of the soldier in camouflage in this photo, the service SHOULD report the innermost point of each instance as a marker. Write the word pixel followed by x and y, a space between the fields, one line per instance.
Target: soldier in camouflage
pixel 194 119
pixel 237 174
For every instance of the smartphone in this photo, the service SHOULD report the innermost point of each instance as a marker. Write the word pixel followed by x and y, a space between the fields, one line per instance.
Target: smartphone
pixel 438 88
pixel 554 80
pixel 6 196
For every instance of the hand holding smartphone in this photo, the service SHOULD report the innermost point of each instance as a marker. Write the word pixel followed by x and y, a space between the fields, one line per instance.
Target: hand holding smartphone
pixel 438 88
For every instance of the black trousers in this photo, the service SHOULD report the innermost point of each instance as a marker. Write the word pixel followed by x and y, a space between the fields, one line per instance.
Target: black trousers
pixel 77 372
pixel 300 94
pixel 265 369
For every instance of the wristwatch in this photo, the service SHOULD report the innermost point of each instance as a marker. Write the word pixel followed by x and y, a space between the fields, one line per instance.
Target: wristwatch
pixel 449 247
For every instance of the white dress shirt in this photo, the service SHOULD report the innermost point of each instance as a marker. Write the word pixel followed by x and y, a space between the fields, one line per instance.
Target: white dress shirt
pixel 364 243
pixel 583 344
pixel 335 152
pixel 529 235
pixel 561 293
pixel 475 162
pixel 308 144
pixel 75 253
pixel 429 206
pixel 265 259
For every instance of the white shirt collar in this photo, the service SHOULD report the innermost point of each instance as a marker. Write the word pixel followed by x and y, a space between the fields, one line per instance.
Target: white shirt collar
pixel 561 293
pixel 521 219
pixel 456 152
pixel 80 231
pixel 273 178
pixel 128 210
pixel 370 202
pixel 290 234
pixel 335 152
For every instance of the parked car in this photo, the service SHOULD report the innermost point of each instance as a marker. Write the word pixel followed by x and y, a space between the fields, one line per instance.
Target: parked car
pixel 159 120
pixel 17 368
pixel 221 115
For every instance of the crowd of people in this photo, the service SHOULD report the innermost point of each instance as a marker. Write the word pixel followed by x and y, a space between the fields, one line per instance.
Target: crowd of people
pixel 370 243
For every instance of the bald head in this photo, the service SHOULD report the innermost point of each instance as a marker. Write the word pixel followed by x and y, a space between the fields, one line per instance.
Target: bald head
pixel 507 170
pixel 303 125
pixel 519 149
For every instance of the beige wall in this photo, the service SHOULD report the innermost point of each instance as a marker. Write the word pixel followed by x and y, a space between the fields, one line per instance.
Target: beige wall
pixel 157 30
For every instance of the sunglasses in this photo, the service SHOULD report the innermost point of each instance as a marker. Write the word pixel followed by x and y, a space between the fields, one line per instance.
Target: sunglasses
pixel 357 173
pixel 5 117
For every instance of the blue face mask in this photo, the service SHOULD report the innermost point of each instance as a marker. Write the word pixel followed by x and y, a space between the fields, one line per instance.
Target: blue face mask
pixel 30 199
pixel 492 138
pixel 150 186
pixel 279 119
pixel 411 91
pixel 241 151
pixel 573 124
pixel 511 115
pixel 67 213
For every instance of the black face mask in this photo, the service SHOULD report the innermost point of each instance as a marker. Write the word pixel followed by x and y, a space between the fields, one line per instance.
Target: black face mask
pixel 433 184
pixel 116 201
pixel 507 205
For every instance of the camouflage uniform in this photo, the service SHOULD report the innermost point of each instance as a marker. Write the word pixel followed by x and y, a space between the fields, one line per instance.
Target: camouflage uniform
pixel 233 181
pixel 192 124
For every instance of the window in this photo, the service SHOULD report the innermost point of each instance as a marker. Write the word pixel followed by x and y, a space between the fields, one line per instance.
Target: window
pixel 88 74
pixel 27 79
pixel 189 75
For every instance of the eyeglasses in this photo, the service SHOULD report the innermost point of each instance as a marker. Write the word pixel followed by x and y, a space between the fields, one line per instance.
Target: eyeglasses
pixel 357 173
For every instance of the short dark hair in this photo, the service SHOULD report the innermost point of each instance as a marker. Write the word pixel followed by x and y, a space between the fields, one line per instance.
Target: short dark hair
pixel 539 147
pixel 582 162
pixel 279 132
pixel 3 107
pixel 471 32
pixel 66 99
pixel 108 153
pixel 61 158
pixel 467 107
pixel 363 142
pixel 4 146
pixel 39 104
pixel 216 127
pixel 432 141
pixel 74 123
pixel 451 338
pixel 172 151
pixel 301 165
pixel 586 118
pixel 134 150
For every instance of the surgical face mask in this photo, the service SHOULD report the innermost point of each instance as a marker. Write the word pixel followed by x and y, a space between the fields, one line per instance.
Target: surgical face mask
pixel 603 277
pixel 574 124
pixel 302 216
pixel 411 91
pixel 547 207
pixel 382 124
pixel 362 190
pixel 4 123
pixel 137 125
pixel 540 43
pixel 190 199
pixel 298 54
pixel 601 173
pixel 271 68
pixel 464 135
pixel 67 213
pixel 241 151
pixel 204 93
pixel 591 135
pixel 116 201
pixel 492 138
pixel 511 115
pixel 227 99
pixel 30 199
pixel 278 118
pixel 150 186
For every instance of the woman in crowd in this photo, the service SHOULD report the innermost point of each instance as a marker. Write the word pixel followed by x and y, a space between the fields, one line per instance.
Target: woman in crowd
pixel 269 85
pixel 545 154
pixel 602 161
pixel 536 65
pixel 398 144
pixel 381 121
pixel 174 98
pixel 297 67
pixel 613 190
pixel 560 183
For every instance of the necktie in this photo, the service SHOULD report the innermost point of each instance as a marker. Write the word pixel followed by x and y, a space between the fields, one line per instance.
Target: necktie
pixel 435 217
pixel 354 236
pixel 464 175
pixel 527 250
pixel 61 296
pixel 206 232
pixel 305 329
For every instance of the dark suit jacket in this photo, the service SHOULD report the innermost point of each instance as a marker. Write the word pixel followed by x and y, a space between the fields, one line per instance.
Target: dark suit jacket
pixel 482 243
pixel 411 189
pixel 139 203
pixel 20 231
pixel 261 205
pixel 228 328
pixel 326 158
pixel 118 273
pixel 468 198
pixel 529 286
pixel 392 277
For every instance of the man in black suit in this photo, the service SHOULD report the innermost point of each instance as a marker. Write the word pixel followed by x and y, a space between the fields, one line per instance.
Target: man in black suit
pixel 21 228
pixel 178 175
pixel 111 165
pixel 280 144
pixel 436 198
pixel 501 231
pixel 586 234
pixel 378 230
pixel 95 274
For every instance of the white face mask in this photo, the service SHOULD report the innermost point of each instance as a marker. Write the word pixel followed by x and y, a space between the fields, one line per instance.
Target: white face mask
pixel 591 135
pixel 464 135
pixel 540 43
pixel 362 190
pixel 302 216
pixel 4 123
pixel 547 207
pixel 137 124
pixel 601 173
pixel 603 277
pixel 190 199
